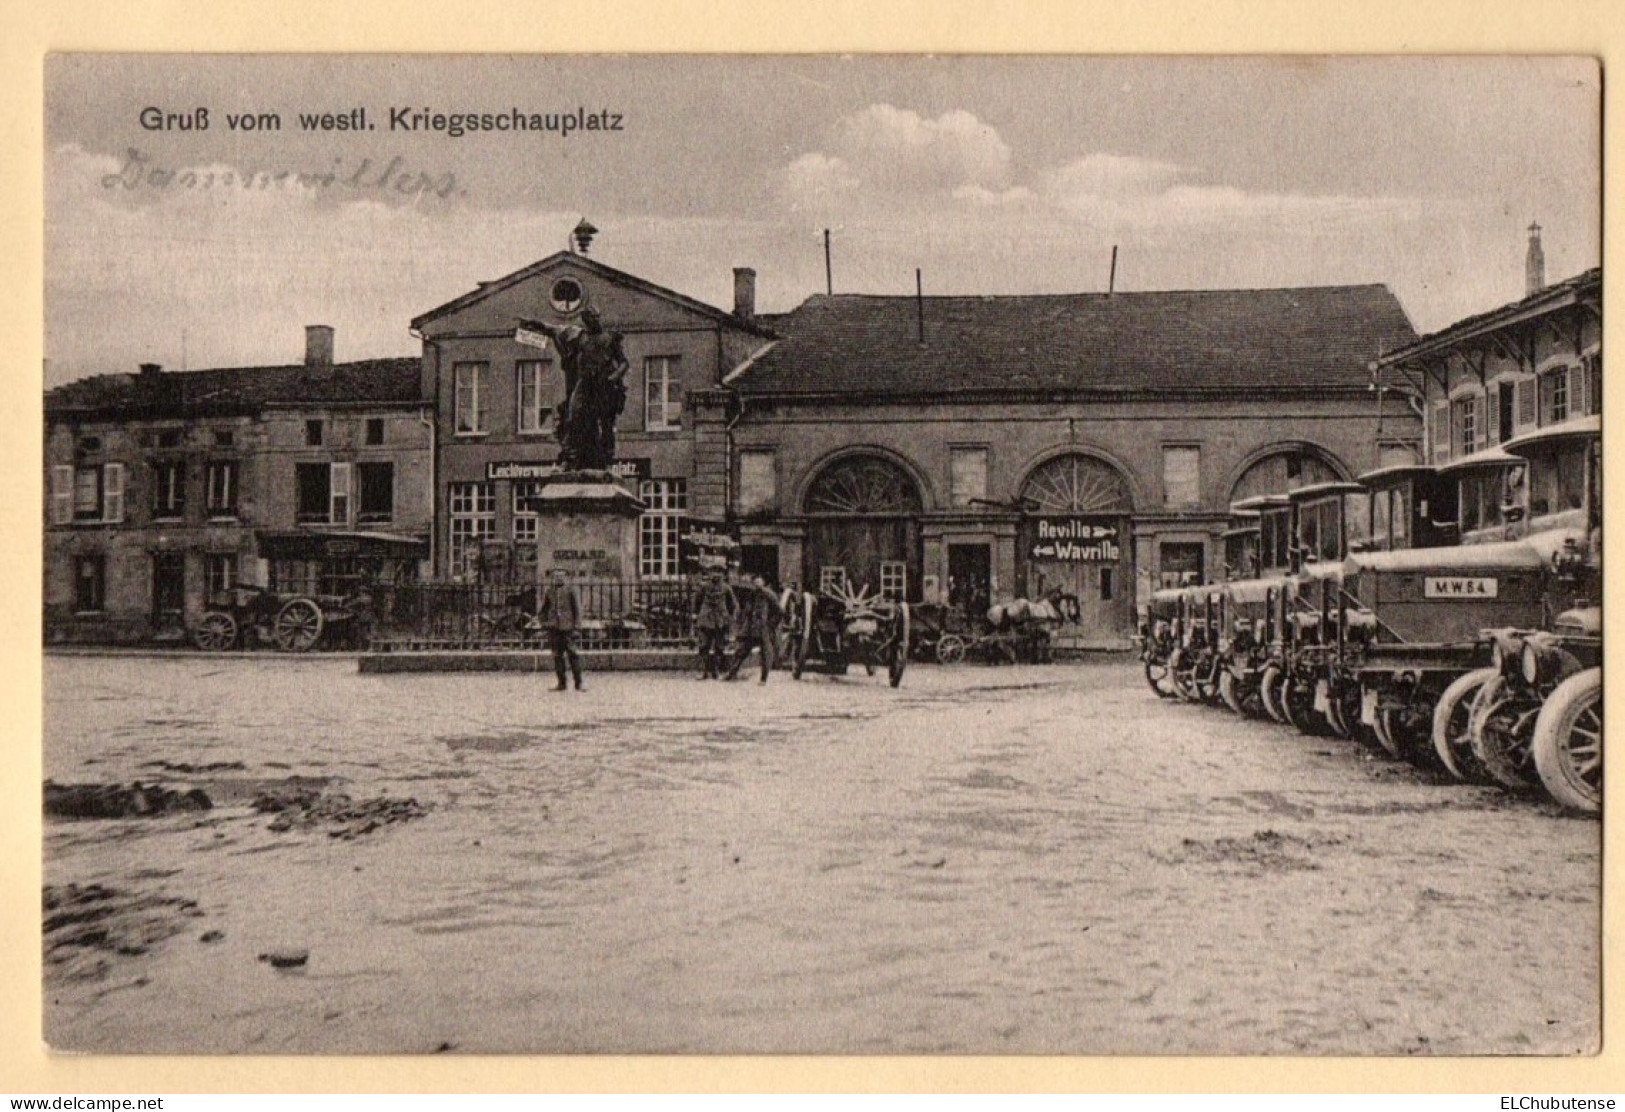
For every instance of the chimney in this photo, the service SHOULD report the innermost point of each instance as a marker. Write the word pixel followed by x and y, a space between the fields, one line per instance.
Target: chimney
pixel 1534 264
pixel 318 345
pixel 744 293
pixel 150 371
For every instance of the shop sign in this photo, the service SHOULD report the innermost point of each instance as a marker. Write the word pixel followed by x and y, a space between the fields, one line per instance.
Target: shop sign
pixel 638 469
pixel 1078 540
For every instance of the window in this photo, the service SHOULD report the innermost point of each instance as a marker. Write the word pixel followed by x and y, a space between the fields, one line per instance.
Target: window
pixel 473 521
pixel 893 579
pixel 88 493
pixel 1181 479
pixel 377 481
pixel 663 399
pixel 967 475
pixel 758 482
pixel 219 572
pixel 1464 426
pixel 526 524
pixel 831 579
pixel 1439 432
pixel 324 493
pixel 1505 425
pixel 666 502
pixel 471 387
pixel 1554 396
pixel 375 431
pixel 220 488
pixel 1593 374
pixel 313 433
pixel 224 438
pixel 94 443
pixel 90 584
pixel 530 378
pixel 1107 582
pixel 169 489
pixel 168 438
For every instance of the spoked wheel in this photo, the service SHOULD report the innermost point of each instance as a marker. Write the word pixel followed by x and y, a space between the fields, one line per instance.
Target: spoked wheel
pixel 1333 715
pixel 1299 705
pixel 1343 709
pixel 1160 677
pixel 804 639
pixel 1568 742
pixel 1409 733
pixel 1180 675
pixel 215 632
pixel 1500 730
pixel 899 646
pixel 1206 687
pixel 298 626
pixel 1269 692
pixel 1452 719
pixel 951 649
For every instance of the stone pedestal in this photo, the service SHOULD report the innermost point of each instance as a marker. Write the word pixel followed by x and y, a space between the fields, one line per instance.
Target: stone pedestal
pixel 588 527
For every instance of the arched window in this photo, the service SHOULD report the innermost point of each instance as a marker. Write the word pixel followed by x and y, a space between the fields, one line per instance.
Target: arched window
pixel 1077 484
pixel 1279 472
pixel 863 485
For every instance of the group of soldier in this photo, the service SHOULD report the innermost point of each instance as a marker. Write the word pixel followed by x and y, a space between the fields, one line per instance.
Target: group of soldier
pixel 747 608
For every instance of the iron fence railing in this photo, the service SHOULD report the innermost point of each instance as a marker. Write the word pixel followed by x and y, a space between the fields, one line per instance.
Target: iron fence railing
pixel 616 614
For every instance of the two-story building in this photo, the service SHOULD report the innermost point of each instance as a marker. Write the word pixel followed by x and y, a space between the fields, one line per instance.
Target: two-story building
pixel 966 449
pixel 1529 364
pixel 494 401
pixel 164 488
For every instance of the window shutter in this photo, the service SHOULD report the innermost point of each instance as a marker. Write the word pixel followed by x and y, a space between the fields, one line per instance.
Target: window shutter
pixel 339 505
pixel 113 492
pixel 1492 419
pixel 1525 396
pixel 61 494
pixel 1579 404
pixel 1441 432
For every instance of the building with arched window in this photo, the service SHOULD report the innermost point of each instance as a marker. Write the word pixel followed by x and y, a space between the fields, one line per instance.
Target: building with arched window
pixel 971 449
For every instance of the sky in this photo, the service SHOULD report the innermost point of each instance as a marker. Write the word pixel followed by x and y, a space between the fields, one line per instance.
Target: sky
pixel 195 247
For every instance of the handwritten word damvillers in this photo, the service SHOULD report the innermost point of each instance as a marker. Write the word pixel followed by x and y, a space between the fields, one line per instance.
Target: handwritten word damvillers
pixel 397 175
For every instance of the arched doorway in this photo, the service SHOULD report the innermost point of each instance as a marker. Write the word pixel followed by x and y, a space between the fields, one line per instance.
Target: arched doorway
pixel 1286 469
pixel 863 528
pixel 1075 538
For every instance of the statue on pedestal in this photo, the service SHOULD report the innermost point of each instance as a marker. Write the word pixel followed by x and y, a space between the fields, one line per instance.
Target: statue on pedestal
pixel 595 369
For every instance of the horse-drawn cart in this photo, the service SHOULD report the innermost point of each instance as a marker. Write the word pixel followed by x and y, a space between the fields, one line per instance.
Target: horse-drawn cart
pixel 831 631
pixel 292 623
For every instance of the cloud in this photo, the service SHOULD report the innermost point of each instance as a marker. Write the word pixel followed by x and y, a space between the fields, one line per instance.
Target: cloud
pixel 1112 176
pixel 885 154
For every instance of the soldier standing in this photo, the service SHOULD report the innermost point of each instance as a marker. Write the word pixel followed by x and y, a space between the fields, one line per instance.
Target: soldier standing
pixel 759 612
pixel 714 608
pixel 560 615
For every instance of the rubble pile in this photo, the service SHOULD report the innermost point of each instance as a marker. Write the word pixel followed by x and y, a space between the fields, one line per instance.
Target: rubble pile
pixel 306 808
pixel 119 801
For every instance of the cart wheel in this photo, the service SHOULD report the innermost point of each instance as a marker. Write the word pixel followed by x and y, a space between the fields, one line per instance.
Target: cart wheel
pixel 1452 743
pixel 1568 742
pixel 298 626
pixel 1500 730
pixel 950 648
pixel 899 648
pixel 215 632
